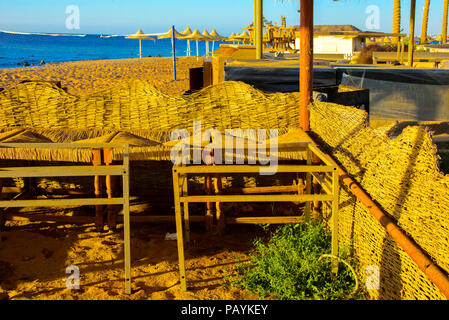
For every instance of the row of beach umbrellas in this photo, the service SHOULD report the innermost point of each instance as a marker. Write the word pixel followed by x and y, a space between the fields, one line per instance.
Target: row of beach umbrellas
pixel 188 35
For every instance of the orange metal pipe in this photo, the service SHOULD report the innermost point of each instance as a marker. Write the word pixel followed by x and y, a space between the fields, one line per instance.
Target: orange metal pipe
pixel 430 269
pixel 306 63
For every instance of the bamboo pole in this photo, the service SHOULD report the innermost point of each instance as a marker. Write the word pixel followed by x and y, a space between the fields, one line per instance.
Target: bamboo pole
pixel 411 42
pixel 306 62
pixel 445 16
pixel 259 29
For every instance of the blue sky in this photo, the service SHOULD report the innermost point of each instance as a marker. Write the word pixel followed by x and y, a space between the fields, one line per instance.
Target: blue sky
pixel 126 16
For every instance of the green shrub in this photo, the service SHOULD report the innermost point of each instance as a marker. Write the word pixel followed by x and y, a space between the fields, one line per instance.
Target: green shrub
pixel 287 267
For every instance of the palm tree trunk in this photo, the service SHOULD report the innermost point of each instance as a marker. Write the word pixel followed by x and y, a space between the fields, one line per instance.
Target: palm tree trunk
pixel 396 19
pixel 445 16
pixel 425 21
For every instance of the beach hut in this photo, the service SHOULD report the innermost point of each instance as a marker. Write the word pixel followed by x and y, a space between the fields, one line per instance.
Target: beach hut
pixel 140 36
pixel 197 36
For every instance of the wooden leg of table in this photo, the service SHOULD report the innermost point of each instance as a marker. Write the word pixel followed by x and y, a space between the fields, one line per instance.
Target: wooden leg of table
pixel 316 211
pixel 308 209
pixel 2 215
pixel 126 222
pixel 335 192
pixel 186 209
pixel 98 187
pixel 209 205
pixel 179 231
pixel 221 224
pixel 111 191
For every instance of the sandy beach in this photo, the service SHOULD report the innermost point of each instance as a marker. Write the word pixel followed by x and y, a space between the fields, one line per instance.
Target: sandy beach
pixel 39 271
pixel 91 76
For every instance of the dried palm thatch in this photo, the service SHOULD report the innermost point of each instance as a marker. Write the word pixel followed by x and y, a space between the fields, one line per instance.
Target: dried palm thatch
pixel 139 105
pixel 400 173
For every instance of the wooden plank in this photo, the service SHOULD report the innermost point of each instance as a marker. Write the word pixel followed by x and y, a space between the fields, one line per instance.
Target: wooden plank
pixel 200 169
pixel 264 220
pixel 335 233
pixel 59 202
pixel 258 190
pixel 64 219
pixel 179 232
pixel 126 223
pixel 258 198
pixel 61 171
pixel 64 145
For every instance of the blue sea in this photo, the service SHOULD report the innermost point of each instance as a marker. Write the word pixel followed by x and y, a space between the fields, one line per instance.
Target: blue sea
pixel 15 49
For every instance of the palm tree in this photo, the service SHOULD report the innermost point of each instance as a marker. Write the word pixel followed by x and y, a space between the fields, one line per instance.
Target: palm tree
pixel 445 14
pixel 396 19
pixel 425 21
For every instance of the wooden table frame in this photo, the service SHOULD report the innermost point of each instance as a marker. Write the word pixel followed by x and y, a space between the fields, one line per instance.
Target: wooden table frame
pixel 325 174
pixel 78 171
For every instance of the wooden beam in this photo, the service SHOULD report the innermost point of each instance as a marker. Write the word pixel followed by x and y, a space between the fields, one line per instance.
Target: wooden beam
pixel 306 63
pixel 259 198
pixel 61 171
pixel 201 169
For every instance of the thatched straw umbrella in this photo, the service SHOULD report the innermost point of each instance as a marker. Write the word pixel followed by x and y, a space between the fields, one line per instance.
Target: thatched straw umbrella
pixel 140 36
pixel 197 36
pixel 217 37
pixel 185 33
pixel 207 35
pixel 244 36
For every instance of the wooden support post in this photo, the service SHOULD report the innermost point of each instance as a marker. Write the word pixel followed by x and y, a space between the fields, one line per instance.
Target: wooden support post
pixel 306 63
pixel 259 29
pixel 98 187
pixel 110 190
pixel 316 190
pixel 179 231
pixel 209 219
pixel 411 42
pixel 402 50
pixel 185 190
pixel 126 221
pixel 221 223
pixel 308 209
pixel 335 193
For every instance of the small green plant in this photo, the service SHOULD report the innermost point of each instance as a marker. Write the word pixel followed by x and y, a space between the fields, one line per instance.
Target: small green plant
pixel 287 266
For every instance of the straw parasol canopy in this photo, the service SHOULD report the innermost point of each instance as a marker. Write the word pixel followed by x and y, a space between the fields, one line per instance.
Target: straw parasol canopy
pixel 169 34
pixel 216 37
pixel 244 36
pixel 211 38
pixel 187 32
pixel 232 38
pixel 140 36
